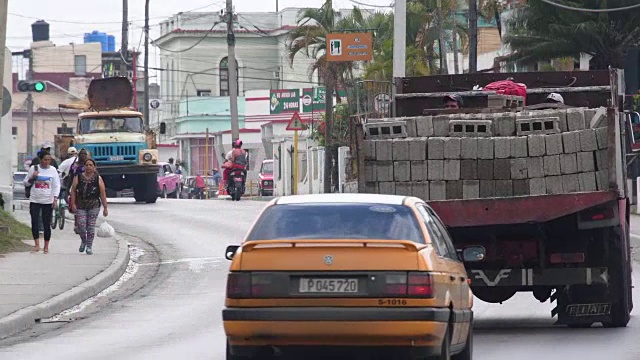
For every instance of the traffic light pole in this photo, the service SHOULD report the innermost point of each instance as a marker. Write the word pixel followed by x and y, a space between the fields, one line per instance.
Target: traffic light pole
pixel 30 108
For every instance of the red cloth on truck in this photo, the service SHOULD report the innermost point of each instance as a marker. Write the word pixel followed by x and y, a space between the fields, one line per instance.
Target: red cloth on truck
pixel 508 87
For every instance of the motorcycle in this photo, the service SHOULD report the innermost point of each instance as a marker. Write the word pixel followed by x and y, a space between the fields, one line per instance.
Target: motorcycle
pixel 236 184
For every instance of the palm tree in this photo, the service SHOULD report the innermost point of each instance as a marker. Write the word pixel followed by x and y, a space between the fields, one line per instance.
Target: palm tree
pixel 491 10
pixel 541 32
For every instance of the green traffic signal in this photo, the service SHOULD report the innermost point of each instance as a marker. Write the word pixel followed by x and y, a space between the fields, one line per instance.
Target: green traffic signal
pixel 32 86
pixel 39 86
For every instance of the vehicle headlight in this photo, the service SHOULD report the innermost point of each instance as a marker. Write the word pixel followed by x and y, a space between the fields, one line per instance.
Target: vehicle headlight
pixel 147 157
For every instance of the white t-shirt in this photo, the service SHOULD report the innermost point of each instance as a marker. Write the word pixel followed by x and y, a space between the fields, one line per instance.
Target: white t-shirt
pixel 66 165
pixel 45 187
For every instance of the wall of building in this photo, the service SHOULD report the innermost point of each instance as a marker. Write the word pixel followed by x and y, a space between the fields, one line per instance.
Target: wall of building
pixel 61 59
pixel 6 142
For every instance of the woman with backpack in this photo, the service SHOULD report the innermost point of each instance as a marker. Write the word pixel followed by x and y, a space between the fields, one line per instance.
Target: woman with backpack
pixel 44 184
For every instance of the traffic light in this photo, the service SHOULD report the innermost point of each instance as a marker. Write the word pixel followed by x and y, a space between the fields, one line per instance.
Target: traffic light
pixel 32 86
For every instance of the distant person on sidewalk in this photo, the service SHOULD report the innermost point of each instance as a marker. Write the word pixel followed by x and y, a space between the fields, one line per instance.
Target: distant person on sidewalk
pixel 87 194
pixel 45 189
pixel 69 172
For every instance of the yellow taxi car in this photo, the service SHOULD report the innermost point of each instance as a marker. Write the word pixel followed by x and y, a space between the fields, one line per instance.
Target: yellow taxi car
pixel 349 273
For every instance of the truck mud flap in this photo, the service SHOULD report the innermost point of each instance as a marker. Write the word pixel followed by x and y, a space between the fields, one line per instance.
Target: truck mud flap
pixel 535 277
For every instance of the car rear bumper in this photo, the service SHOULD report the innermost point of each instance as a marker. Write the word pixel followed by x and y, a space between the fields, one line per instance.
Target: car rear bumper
pixel 423 327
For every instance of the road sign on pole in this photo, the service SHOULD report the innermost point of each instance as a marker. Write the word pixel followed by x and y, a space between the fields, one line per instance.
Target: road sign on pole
pixel 296 123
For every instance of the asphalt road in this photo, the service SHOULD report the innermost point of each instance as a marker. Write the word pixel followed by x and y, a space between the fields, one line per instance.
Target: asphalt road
pixel 174 311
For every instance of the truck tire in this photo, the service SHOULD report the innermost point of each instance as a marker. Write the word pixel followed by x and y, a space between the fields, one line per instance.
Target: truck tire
pixel 619 274
pixel 151 183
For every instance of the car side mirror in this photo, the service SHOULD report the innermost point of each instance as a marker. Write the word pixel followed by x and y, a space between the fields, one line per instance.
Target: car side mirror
pixel 473 254
pixel 163 128
pixel 231 251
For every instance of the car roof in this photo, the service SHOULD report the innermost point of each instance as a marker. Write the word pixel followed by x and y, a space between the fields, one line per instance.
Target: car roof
pixel 342 198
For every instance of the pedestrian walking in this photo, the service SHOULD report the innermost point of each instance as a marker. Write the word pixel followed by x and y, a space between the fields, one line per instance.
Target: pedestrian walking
pixel 45 189
pixel 87 194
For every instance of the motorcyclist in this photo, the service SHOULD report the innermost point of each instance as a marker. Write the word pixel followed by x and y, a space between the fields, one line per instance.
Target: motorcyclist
pixel 236 159
pixel 200 186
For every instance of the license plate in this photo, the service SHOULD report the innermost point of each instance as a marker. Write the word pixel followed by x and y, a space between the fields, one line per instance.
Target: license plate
pixel 116 158
pixel 238 180
pixel 328 285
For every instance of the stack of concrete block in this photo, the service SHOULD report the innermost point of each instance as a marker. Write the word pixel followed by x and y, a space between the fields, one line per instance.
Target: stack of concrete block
pixel 483 156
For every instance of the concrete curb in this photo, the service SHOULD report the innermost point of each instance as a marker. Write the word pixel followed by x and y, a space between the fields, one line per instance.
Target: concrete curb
pixel 29 316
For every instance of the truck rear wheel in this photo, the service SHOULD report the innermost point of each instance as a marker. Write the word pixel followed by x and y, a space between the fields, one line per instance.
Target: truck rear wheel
pixel 151 182
pixel 619 275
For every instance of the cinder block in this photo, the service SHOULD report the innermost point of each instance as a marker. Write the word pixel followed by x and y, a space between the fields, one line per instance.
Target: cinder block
pixel 370 171
pixel 598 119
pixel 485 148
pixel 403 188
pixel 417 149
pixel 420 190
pixel 554 184
pixel 441 125
pixel 402 171
pixel 551 165
pixel 386 129
pixel 519 147
pixel 571 142
pixel 470 189
pixel 568 164
pixel 370 188
pixel 505 124
pixel 452 148
pixel 369 149
pixel 435 169
pixel 602 159
pixel 602 137
pixel 537 125
pixel 487 188
pixel 400 149
pixel 553 144
pixel 384 150
pixel 411 127
pixel 452 169
pixel 504 188
pixel 575 119
pixel 562 118
pixel 502 148
pixel 454 190
pixel 419 171
pixel 536 145
pixel 519 168
pixel 470 128
pixel 384 171
pixel 485 169
pixel 521 187
pixel 586 161
pixel 570 183
pixel 602 179
pixel 435 148
pixel 469 148
pixel 537 186
pixel 587 181
pixel 387 188
pixel 502 169
pixel 588 140
pixel 535 167
pixel 424 126
pixel 437 190
pixel 469 169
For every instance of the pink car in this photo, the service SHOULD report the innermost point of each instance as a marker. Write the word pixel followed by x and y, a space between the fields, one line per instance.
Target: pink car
pixel 265 178
pixel 168 181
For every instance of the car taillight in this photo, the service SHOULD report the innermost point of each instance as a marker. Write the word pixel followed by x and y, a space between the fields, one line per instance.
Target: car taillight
pixel 566 258
pixel 239 285
pixel 598 214
pixel 260 284
pixel 413 284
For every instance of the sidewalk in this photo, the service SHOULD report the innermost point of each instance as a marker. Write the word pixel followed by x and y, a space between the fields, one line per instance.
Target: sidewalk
pixel 37 286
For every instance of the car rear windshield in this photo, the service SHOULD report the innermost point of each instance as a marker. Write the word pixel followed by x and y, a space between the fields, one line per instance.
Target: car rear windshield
pixel 337 221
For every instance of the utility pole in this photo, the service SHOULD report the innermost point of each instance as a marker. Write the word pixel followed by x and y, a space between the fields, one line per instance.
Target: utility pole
pixel 124 51
pixel 146 65
pixel 29 106
pixel 399 45
pixel 233 73
pixel 473 36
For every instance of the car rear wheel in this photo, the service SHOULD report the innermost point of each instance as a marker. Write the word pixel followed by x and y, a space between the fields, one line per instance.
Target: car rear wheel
pixel 445 350
pixel 467 353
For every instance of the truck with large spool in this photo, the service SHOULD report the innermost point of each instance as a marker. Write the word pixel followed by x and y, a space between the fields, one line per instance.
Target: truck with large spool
pixel 543 187
pixel 115 137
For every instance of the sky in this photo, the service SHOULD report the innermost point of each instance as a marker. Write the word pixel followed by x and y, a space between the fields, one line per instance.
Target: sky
pixel 70 19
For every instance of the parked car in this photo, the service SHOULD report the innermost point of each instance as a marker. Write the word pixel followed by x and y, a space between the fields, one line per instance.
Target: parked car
pixel 189 188
pixel 348 267
pixel 265 179
pixel 18 185
pixel 168 181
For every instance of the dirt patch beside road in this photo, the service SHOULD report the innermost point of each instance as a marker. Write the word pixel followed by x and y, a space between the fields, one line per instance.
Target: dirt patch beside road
pixel 12 232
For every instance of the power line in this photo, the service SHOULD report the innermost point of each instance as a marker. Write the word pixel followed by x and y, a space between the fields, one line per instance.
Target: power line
pixel 188 48
pixel 215 74
pixel 371 5
pixel 589 10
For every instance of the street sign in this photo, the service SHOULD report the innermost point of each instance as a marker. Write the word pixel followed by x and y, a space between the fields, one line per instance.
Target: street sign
pixel 350 47
pixel 307 100
pixel 155 103
pixel 6 101
pixel 296 123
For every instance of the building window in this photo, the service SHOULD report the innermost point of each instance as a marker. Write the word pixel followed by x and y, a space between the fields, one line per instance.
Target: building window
pixel 224 77
pixel 81 65
pixel 14 130
pixel 204 92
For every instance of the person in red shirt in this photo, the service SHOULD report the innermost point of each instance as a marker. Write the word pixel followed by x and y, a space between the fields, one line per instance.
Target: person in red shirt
pixel 199 185
pixel 238 160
